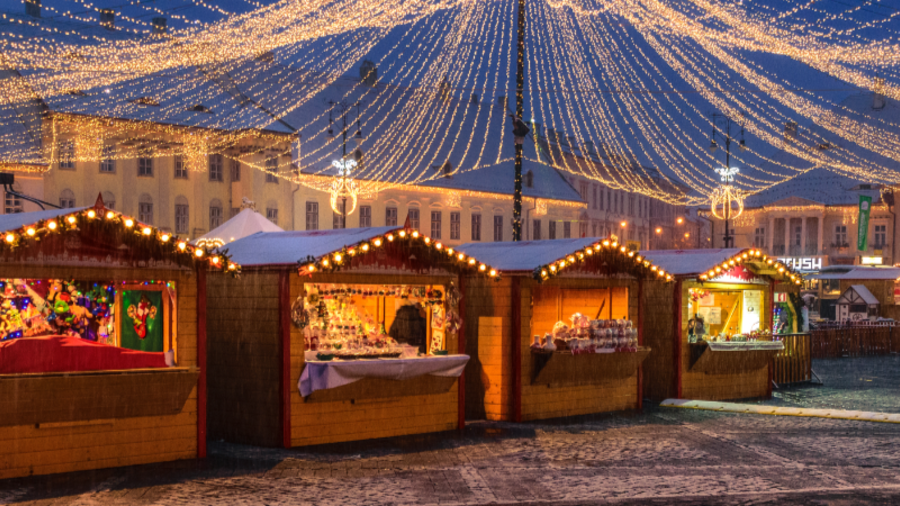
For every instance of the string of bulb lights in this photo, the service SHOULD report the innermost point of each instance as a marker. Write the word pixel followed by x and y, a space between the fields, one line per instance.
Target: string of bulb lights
pixel 597 81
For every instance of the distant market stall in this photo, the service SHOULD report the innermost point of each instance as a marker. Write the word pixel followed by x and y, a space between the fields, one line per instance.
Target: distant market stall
pixel 102 342
pixel 366 342
pixel 561 334
pixel 882 283
pixel 718 341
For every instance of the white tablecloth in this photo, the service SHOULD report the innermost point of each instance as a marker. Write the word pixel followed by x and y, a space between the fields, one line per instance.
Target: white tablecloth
pixel 747 346
pixel 323 375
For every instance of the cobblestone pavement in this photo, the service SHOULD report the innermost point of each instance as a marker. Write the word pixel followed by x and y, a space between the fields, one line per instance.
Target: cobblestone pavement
pixel 663 456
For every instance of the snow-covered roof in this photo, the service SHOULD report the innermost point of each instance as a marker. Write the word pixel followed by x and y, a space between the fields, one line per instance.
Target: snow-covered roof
pixel 818 186
pixel 18 220
pixel 863 293
pixel 524 255
pixel 244 223
pixel 692 261
pixel 287 248
pixel 861 273
pixel 548 182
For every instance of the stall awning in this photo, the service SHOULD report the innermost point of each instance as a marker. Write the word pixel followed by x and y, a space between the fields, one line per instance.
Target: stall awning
pixel 692 261
pixel 524 255
pixel 287 248
pixel 727 265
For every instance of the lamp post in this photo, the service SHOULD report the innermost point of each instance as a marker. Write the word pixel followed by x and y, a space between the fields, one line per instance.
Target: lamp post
pixel 519 128
pixel 728 172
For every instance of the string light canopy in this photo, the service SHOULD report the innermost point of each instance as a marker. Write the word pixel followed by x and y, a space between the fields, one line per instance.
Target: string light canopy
pixel 641 100
pixel 339 259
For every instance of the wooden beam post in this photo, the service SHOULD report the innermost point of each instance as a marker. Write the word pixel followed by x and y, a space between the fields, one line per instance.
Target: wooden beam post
pixel 640 324
pixel 461 349
pixel 284 331
pixel 677 336
pixel 516 348
pixel 201 362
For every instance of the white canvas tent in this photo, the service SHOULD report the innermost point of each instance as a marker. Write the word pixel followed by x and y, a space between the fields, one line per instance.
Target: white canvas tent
pixel 247 222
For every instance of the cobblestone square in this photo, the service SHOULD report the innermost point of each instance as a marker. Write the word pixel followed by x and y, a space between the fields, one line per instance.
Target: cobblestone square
pixel 661 456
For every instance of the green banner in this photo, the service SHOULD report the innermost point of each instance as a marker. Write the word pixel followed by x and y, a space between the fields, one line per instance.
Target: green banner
pixel 142 321
pixel 862 231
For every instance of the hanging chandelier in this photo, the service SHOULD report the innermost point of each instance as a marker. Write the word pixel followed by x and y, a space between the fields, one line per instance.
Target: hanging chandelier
pixel 343 187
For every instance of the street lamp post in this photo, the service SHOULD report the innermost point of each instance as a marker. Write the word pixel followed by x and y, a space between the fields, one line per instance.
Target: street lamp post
pixel 519 128
pixel 728 172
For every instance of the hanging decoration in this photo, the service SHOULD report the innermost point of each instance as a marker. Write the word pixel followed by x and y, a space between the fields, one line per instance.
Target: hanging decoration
pixel 726 197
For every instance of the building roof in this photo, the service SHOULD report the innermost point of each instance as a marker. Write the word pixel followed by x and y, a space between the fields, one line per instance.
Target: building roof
pixel 244 223
pixel 818 186
pixel 691 261
pixel 287 248
pixel 861 273
pixel 524 255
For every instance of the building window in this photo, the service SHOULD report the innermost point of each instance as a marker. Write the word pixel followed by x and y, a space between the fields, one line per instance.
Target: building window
pixel 594 201
pixel 216 168
pixel 602 191
pixel 145 212
pixel 312 216
pixel 107 163
pixel 390 217
pixel 109 200
pixel 567 229
pixel 583 190
pixel 759 237
pixel 180 168
pixel 798 235
pixel 67 199
pixel 631 205
pixel 234 212
pixel 182 222
pixel 455 225
pixel 365 216
pixel 215 214
pixel 551 230
pixel 582 229
pixel 337 221
pixel 413 218
pixel 235 171
pixel 67 155
pixel 593 229
pixel 476 227
pixel 840 235
pixel 435 224
pixel 145 167
pixel 498 228
pixel 880 236
pixel 272 214
pixel 12 204
pixel 536 230
pixel 271 170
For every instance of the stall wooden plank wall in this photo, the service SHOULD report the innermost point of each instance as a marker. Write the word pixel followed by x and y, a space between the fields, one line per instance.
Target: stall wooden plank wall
pixel 244 346
pixel 491 374
pixel 659 325
pixel 333 422
pixel 714 387
pixel 94 444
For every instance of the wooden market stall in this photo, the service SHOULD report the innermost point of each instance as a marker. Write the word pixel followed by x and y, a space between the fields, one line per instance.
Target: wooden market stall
pixel 102 342
pixel 586 297
pixel 712 339
pixel 330 355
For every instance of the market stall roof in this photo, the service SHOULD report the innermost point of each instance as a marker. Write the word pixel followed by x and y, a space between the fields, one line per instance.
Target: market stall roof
pixel 861 273
pixel 244 223
pixel 287 248
pixel 26 229
pixel 691 261
pixel 863 293
pixel 524 255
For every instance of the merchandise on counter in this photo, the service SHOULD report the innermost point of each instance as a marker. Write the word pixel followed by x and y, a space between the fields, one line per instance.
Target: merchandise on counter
pixel 590 336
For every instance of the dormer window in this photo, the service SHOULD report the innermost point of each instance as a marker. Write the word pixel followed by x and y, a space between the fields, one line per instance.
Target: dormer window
pixel 445 170
pixel 201 108
pixel 145 101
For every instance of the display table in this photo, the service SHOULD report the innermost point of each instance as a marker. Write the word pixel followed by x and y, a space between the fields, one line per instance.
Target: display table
pixel 732 357
pixel 431 371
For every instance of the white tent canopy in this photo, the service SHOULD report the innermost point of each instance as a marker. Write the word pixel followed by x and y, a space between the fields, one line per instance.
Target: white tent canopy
pixel 247 222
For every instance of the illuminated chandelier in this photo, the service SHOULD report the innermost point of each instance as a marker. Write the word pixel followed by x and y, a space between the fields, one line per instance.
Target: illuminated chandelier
pixel 725 196
pixel 344 187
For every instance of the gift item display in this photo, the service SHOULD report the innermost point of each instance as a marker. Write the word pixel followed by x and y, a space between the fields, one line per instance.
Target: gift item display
pixel 349 322
pixel 584 335
pixel 87 310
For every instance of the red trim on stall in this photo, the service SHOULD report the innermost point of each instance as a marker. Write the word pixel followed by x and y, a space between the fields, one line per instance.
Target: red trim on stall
pixel 201 363
pixel 516 347
pixel 678 345
pixel 284 331
pixel 461 349
pixel 771 316
pixel 640 323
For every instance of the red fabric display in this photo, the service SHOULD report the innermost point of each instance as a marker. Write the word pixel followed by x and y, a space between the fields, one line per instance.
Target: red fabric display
pixel 70 354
